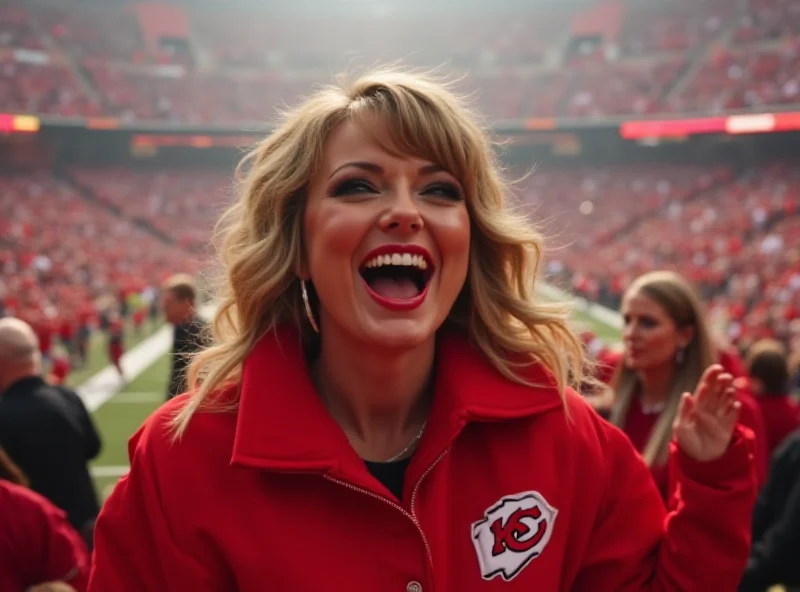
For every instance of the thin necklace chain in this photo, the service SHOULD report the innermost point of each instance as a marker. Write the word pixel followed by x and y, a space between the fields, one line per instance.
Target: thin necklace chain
pixel 413 442
pixel 397 456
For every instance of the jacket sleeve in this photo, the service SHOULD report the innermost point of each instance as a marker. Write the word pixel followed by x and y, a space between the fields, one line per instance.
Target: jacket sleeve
pixel 775 553
pixel 135 545
pixel 55 551
pixel 703 544
pixel 752 418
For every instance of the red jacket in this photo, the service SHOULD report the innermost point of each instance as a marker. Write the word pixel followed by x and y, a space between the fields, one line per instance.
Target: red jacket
pixel 37 544
pixel 274 498
pixel 751 416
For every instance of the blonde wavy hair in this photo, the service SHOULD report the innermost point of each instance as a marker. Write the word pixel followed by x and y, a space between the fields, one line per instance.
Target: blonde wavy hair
pixel 682 304
pixel 260 238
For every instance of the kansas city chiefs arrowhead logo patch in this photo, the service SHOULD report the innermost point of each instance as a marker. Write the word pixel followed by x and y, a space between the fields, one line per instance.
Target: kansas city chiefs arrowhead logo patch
pixel 514 531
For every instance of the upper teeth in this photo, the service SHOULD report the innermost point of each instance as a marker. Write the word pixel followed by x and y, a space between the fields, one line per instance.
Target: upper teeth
pixel 398 259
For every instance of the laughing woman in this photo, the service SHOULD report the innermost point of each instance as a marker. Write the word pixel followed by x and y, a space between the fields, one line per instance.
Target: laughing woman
pixel 388 408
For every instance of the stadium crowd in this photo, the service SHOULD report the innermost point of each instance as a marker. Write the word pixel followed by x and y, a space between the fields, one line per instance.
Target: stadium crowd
pixel 676 56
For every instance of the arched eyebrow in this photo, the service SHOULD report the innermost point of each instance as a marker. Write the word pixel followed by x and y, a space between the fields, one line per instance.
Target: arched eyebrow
pixel 371 167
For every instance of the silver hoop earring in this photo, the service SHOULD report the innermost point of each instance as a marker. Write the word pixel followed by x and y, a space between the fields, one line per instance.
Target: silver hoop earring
pixel 307 304
pixel 681 353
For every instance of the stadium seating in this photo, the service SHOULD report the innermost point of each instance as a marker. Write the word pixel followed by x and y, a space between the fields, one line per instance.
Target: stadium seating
pixel 182 205
pixel 768 20
pixel 683 55
pixel 47 89
pixel 664 27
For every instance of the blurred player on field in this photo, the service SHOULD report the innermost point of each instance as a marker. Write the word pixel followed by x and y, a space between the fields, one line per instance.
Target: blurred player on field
pixel 116 341
pixel 139 316
pixel 59 371
pixel 86 316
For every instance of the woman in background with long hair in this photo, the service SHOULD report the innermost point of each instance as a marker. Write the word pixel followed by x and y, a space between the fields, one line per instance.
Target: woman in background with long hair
pixel 667 347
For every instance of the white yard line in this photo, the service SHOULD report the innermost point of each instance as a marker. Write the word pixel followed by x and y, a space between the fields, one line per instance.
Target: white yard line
pixel 126 398
pixel 104 385
pixel 601 314
pixel 113 471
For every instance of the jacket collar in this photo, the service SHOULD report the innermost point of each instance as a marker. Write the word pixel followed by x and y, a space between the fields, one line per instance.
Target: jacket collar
pixel 24 386
pixel 282 424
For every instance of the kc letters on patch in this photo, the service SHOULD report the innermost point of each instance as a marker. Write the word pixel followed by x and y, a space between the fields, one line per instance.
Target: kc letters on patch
pixel 513 532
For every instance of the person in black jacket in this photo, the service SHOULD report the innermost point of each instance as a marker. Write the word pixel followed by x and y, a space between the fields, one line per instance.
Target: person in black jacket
pixel 191 332
pixel 776 524
pixel 46 429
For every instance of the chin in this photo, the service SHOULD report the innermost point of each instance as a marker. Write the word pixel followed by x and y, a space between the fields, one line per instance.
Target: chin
pixel 400 334
pixel 633 363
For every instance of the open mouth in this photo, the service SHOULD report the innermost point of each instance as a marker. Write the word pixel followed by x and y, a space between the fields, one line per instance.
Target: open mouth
pixel 397 274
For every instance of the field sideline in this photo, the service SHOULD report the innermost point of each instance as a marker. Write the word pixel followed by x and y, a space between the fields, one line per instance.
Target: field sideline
pixel 118 417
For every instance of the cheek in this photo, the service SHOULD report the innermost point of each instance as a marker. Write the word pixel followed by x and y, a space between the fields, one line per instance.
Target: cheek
pixel 452 235
pixel 333 233
pixel 661 342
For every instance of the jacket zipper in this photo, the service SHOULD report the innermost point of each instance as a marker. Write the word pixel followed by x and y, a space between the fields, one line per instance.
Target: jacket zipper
pixel 411 516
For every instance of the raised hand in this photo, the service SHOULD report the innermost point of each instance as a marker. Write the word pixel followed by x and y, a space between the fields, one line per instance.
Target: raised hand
pixel 704 424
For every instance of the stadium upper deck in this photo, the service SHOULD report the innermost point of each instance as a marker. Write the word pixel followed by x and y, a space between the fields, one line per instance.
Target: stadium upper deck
pixel 198 64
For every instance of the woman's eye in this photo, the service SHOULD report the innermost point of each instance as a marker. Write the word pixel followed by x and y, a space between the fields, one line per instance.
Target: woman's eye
pixel 648 322
pixel 353 187
pixel 445 190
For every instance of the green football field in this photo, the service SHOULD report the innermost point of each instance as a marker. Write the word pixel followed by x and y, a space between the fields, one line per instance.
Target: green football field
pixel 119 418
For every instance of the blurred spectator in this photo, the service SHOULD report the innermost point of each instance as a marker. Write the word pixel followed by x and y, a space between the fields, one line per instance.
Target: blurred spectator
pixel 116 342
pixel 768 371
pixel 46 429
pixel 179 302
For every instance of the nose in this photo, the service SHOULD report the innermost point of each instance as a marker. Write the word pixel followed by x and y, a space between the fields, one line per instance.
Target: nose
pixel 628 331
pixel 402 214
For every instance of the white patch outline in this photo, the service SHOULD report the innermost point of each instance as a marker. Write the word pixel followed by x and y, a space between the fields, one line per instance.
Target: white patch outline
pixel 514 497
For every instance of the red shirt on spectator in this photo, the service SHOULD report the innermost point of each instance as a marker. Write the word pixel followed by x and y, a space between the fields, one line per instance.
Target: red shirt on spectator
pixel 638 427
pixel 66 330
pixel 37 544
pixel 781 417
pixel 731 361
